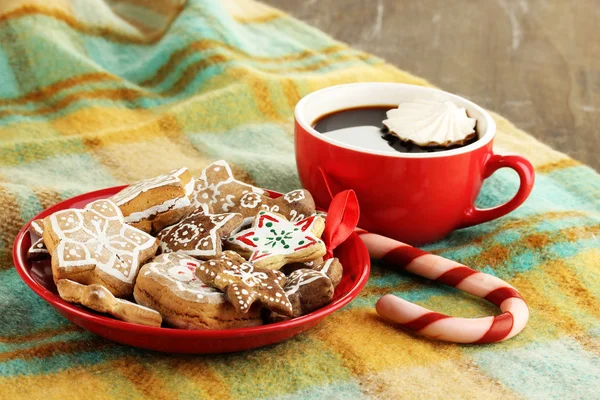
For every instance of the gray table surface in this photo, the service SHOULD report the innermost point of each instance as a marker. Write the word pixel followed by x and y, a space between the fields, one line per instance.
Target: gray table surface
pixel 537 62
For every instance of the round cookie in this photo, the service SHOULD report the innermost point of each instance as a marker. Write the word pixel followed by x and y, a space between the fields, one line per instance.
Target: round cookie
pixel 169 285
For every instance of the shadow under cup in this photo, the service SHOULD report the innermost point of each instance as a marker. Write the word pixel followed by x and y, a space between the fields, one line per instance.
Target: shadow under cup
pixel 416 198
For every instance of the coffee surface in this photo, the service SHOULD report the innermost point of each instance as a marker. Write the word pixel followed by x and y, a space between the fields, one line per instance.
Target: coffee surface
pixel 363 127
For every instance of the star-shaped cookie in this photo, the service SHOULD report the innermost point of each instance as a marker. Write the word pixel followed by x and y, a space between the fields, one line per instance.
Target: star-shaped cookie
pixel 272 241
pixel 95 245
pixel 199 234
pixel 244 283
pixel 219 190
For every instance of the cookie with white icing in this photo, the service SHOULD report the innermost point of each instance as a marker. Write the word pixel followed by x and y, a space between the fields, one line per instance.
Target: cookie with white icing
pixel 37 251
pixel 199 234
pixel 169 284
pixel 217 189
pixel 244 283
pixel 272 241
pixel 152 204
pixel 95 245
pixel 307 290
pixel 100 299
pixel 331 267
pixel 295 205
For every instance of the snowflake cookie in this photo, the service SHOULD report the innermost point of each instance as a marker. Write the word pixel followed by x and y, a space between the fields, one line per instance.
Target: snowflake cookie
pixel 272 241
pixel 169 284
pixel 154 203
pixel 244 283
pixel 95 245
pixel 217 189
pixel 100 299
pixel 199 234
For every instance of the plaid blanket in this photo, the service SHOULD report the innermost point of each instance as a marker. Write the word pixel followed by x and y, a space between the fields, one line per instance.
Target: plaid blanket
pixel 101 92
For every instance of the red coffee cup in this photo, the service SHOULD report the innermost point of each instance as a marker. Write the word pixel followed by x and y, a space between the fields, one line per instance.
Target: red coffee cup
pixel 416 198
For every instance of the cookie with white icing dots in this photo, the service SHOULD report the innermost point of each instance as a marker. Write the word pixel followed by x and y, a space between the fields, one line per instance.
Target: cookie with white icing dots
pixel 152 204
pixel 219 190
pixel 244 283
pixel 95 245
pixel 331 267
pixel 272 241
pixel 307 290
pixel 199 234
pixel 37 251
pixel 169 284
pixel 295 205
pixel 100 299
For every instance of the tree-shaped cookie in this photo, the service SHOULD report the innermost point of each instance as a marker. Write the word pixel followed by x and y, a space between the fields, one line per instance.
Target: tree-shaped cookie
pixel 199 234
pixel 218 189
pixel 95 245
pixel 244 283
pixel 272 241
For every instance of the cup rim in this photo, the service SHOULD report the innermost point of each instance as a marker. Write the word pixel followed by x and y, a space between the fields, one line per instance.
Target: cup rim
pixel 484 140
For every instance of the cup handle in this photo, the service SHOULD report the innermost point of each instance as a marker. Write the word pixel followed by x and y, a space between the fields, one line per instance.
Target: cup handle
pixel 523 167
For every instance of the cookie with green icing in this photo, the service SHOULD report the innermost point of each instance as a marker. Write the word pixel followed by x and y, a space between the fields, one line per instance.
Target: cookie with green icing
pixel 272 241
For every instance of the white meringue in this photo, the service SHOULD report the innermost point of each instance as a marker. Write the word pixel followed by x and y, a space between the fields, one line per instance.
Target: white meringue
pixel 430 123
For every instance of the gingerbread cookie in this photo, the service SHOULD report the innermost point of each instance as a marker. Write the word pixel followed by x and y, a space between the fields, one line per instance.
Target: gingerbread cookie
pixel 95 245
pixel 100 299
pixel 295 205
pixel 169 284
pixel 272 241
pixel 332 268
pixel 38 250
pixel 198 235
pixel 243 283
pixel 307 290
pixel 152 204
pixel 219 190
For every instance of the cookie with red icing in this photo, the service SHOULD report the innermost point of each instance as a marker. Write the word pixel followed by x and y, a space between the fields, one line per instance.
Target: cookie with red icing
pixel 199 234
pixel 308 290
pixel 152 204
pixel 170 285
pixel 244 283
pixel 100 299
pixel 272 241
pixel 95 245
pixel 295 205
pixel 218 190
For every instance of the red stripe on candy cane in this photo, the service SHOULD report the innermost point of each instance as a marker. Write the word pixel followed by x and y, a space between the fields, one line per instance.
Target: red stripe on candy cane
pixel 423 321
pixel 515 312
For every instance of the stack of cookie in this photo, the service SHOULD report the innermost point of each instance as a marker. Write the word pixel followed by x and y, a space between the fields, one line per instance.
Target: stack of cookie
pixel 229 255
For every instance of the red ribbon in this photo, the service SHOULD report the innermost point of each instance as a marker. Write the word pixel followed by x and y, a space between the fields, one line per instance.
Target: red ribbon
pixel 342 217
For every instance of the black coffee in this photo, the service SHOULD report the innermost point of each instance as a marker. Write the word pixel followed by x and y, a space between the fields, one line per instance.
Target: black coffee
pixel 369 118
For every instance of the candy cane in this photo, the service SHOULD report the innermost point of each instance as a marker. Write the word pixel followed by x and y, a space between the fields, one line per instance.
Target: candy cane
pixel 515 312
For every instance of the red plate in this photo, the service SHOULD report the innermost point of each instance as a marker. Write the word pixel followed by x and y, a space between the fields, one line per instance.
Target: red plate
pixel 38 276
